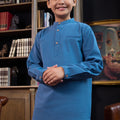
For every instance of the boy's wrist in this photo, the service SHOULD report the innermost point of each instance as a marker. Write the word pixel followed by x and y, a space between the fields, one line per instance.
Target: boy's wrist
pixel 62 71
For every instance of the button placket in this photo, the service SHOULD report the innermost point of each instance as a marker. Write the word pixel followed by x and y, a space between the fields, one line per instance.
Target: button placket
pixel 57 40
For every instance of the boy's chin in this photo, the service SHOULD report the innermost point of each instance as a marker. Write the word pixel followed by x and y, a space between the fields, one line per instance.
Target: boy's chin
pixel 62 16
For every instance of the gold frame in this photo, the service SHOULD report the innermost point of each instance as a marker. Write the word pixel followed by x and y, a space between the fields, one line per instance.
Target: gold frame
pixel 105 22
pixel 101 22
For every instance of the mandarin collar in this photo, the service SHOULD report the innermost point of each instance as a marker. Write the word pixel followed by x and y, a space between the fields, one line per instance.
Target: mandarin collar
pixel 64 22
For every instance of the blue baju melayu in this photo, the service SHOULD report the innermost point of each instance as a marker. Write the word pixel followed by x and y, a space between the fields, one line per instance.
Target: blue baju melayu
pixel 71 45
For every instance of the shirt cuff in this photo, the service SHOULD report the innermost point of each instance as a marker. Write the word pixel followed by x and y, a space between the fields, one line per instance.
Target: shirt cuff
pixel 39 77
pixel 66 72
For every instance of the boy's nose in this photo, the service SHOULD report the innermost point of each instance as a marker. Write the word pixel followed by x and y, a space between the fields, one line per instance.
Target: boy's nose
pixel 60 1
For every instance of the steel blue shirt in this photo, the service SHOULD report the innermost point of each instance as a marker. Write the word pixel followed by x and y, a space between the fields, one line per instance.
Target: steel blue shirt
pixel 71 45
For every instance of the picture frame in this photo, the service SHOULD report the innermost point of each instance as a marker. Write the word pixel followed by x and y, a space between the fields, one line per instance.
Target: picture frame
pixel 107 34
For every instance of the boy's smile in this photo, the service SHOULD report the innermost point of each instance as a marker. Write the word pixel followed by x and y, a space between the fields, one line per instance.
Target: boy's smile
pixel 61 8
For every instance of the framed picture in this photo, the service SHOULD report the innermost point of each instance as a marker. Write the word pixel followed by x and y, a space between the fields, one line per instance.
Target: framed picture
pixel 107 34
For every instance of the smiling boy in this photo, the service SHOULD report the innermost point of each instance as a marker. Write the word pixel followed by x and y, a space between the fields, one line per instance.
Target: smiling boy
pixel 64 58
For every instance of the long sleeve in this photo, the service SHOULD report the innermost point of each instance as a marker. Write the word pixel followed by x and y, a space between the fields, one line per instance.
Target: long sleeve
pixel 92 63
pixel 34 61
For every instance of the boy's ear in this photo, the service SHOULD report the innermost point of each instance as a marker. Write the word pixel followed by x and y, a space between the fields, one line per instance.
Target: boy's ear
pixel 48 3
pixel 74 2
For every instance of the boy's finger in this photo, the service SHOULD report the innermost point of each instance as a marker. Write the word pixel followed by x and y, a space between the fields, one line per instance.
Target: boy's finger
pixel 55 83
pixel 49 79
pixel 53 66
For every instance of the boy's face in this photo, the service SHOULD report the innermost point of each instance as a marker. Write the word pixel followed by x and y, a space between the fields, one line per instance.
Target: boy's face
pixel 61 8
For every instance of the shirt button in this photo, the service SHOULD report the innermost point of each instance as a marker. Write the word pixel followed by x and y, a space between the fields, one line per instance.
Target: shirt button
pixel 56 42
pixel 66 75
pixel 57 29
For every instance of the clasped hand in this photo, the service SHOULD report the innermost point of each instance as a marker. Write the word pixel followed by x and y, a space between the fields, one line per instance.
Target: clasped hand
pixel 53 75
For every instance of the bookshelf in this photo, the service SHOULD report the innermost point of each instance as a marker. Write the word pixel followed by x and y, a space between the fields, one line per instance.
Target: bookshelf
pixel 24 11
pixel 20 94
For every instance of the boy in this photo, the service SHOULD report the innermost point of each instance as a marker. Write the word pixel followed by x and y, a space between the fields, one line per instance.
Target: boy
pixel 64 58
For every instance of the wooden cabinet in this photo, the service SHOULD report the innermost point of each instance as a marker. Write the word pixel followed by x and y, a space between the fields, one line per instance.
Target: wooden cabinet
pixel 20 103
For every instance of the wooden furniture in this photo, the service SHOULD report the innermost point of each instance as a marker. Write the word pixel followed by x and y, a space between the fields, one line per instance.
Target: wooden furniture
pixel 112 112
pixel 3 101
pixel 21 102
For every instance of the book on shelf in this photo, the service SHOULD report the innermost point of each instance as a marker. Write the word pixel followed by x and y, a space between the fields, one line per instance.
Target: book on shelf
pixel 13 48
pixel 2 2
pixel 44 19
pixel 40 18
pixel 13 1
pixel 20 47
pixel 17 1
pixel 5 20
pixel 8 1
pixel 22 1
pixel 9 76
pixel 5 76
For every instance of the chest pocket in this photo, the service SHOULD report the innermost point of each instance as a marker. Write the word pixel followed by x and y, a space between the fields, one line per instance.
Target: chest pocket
pixel 73 41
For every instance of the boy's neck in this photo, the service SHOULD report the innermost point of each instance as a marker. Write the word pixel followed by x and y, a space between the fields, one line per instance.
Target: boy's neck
pixel 61 19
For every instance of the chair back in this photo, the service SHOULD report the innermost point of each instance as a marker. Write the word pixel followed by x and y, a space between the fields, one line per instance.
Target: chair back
pixel 112 112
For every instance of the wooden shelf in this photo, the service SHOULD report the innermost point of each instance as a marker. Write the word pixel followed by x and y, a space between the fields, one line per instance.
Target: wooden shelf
pixel 16 33
pixel 16 7
pixel 41 28
pixel 106 82
pixel 12 61
pixel 18 87
pixel 42 0
pixel 15 4
pixel 9 58
pixel 17 30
